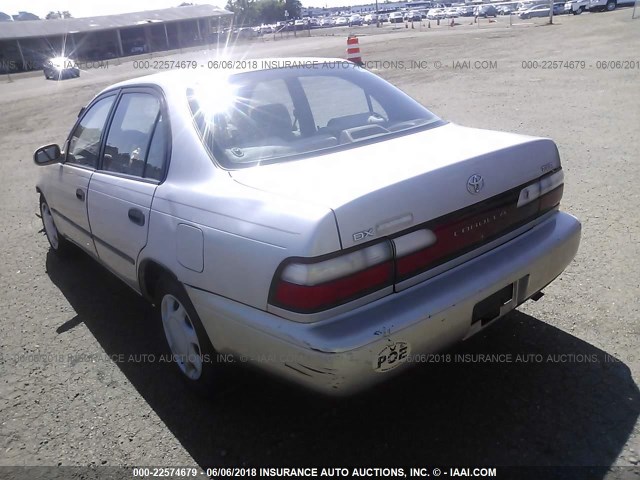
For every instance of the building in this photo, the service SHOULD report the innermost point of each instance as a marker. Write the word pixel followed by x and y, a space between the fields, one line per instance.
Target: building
pixel 26 44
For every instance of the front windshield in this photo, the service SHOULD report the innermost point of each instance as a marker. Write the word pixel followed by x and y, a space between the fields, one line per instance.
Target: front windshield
pixel 278 114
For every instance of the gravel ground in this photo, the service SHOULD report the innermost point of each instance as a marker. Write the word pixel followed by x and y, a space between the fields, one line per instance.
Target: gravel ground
pixel 73 392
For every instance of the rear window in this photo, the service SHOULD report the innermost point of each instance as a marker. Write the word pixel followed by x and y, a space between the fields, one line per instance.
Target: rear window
pixel 280 114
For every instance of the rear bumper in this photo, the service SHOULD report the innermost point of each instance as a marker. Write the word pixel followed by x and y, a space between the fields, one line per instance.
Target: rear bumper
pixel 369 344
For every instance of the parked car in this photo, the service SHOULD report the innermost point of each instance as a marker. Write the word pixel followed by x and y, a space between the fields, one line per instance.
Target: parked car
pixel 607 5
pixel 355 20
pixel 396 17
pixel 326 250
pixel 371 18
pixel 342 21
pixel 451 12
pixel 413 16
pixel 435 14
pixel 58 68
pixel 537 11
pixel 576 6
pixel 506 9
pixel 466 11
pixel 485 11
pixel 138 47
pixel 327 22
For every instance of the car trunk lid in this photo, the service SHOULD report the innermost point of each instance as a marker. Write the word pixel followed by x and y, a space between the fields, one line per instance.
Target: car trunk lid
pixel 383 188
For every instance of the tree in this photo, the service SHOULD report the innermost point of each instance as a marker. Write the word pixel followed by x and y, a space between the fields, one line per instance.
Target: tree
pixel 56 15
pixel 23 16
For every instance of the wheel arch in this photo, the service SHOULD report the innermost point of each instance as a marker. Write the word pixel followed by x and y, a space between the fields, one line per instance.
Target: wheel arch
pixel 149 272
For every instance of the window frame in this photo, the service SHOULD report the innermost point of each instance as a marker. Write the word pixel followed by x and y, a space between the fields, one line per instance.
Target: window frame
pixel 83 113
pixel 157 92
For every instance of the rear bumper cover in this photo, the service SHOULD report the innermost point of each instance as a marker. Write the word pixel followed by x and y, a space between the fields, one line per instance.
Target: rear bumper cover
pixel 354 350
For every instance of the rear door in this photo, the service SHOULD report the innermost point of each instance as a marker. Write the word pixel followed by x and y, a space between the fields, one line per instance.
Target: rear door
pixel 68 188
pixel 121 191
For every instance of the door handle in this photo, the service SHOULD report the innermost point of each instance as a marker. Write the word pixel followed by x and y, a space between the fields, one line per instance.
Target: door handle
pixel 136 216
pixel 80 194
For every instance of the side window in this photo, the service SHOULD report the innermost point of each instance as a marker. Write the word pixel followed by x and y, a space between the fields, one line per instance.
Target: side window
pixel 272 111
pixel 84 144
pixel 130 134
pixel 157 151
pixel 347 99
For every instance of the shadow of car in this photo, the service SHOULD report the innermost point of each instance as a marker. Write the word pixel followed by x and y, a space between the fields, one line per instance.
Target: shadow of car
pixel 526 393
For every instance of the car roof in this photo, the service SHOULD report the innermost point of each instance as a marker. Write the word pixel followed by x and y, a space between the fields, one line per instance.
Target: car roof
pixel 185 78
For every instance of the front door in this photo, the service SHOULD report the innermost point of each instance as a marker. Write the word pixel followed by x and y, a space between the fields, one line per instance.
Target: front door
pixel 121 190
pixel 68 193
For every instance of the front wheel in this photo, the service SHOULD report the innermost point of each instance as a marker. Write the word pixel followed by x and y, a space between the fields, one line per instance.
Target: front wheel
pixel 611 6
pixel 188 342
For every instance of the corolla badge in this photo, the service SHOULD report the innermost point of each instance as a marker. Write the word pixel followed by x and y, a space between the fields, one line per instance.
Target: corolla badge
pixel 475 184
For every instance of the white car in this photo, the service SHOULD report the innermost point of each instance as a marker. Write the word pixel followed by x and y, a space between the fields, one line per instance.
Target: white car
pixel 451 12
pixel 607 5
pixel 576 6
pixel 342 21
pixel 396 17
pixel 435 14
pixel 334 250
pixel 371 18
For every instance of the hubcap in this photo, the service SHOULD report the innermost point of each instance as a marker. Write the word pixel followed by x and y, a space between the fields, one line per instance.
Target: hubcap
pixel 49 227
pixel 181 337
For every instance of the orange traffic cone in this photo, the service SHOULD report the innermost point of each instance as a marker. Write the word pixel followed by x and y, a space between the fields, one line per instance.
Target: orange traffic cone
pixel 353 50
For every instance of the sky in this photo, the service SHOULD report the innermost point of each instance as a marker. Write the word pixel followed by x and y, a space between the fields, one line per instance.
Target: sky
pixel 84 8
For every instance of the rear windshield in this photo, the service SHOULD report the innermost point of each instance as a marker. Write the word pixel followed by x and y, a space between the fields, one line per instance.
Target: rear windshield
pixel 280 114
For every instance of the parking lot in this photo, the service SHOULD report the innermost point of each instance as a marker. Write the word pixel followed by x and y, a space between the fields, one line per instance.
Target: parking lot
pixel 78 387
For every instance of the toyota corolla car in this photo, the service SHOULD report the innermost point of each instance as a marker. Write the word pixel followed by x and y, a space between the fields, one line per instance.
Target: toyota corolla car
pixel 331 242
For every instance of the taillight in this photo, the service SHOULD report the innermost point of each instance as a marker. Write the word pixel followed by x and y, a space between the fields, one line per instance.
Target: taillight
pixel 542 188
pixel 311 285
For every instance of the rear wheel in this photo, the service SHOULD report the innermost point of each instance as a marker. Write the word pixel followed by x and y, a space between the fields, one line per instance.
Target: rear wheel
pixel 57 242
pixel 188 342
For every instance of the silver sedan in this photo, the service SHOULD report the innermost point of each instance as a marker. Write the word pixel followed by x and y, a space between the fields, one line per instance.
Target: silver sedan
pixel 305 216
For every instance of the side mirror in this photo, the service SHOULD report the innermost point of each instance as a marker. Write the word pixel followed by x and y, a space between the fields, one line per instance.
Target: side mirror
pixel 47 155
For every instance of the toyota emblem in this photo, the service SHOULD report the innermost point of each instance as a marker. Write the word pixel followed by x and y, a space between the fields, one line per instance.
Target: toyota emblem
pixel 475 184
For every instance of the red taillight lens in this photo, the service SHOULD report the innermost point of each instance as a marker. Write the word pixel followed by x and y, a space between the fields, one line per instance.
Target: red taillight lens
pixel 308 286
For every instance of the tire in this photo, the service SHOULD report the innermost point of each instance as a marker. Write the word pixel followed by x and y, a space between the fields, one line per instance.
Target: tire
pixel 57 243
pixel 611 6
pixel 187 341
